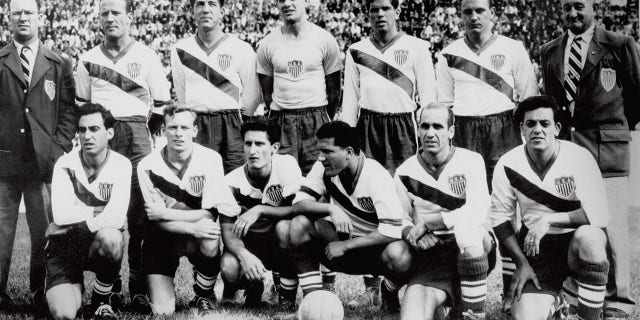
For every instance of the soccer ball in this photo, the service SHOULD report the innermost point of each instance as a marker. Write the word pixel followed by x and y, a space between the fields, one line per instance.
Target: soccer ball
pixel 321 305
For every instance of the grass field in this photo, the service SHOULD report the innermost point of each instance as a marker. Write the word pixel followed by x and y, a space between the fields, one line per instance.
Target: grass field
pixel 347 286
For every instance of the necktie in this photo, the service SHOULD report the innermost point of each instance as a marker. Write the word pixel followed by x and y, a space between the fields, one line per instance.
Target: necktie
pixel 25 56
pixel 575 66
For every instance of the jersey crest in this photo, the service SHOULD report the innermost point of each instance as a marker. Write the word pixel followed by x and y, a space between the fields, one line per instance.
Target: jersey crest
pixel 50 89
pixel 607 78
pixel 497 61
pixel 565 186
pixel 274 193
pixel 105 190
pixel 401 56
pixel 294 68
pixel 196 183
pixel 458 184
pixel 224 61
pixel 366 203
pixel 134 69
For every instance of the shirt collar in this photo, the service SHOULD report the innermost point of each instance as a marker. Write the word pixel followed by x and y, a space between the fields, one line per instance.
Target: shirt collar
pixel 586 36
pixel 33 47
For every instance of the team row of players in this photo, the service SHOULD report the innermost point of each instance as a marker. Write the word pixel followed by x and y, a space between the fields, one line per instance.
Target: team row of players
pixel 427 226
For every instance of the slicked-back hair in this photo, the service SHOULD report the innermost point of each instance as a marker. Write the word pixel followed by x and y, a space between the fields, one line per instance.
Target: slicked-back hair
pixel 343 134
pixel 38 3
pixel 438 105
pixel 394 3
pixel 128 5
pixel 191 2
pixel 536 102
pixel 171 109
pixel 91 108
pixel 262 124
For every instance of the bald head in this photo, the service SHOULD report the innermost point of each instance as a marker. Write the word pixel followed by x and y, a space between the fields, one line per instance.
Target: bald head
pixel 437 106
pixel 578 15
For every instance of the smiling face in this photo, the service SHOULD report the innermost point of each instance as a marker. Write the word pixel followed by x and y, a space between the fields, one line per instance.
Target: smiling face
pixel 207 14
pixel 24 20
pixel 477 16
pixel 94 137
pixel 114 19
pixel 539 129
pixel 180 131
pixel 578 15
pixel 292 10
pixel 434 130
pixel 383 16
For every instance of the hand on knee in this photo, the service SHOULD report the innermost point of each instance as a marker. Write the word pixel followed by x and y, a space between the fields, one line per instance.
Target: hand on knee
pixel 397 257
pixel 230 268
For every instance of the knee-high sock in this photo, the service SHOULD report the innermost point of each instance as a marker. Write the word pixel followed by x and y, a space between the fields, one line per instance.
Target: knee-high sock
pixel 473 282
pixel 288 289
pixel 371 282
pixel 307 267
pixel 592 280
pixel 328 276
pixel 206 271
pixel 107 271
pixel 508 268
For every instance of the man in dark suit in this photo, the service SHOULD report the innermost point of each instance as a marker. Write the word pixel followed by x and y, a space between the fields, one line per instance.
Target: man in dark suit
pixel 37 123
pixel 595 75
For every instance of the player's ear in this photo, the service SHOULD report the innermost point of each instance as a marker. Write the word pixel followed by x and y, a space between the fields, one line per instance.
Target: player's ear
pixel 275 147
pixel 452 132
pixel 195 130
pixel 110 133
pixel 522 128
pixel 558 128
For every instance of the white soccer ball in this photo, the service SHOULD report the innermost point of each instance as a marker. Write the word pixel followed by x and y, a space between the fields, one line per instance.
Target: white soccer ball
pixel 321 305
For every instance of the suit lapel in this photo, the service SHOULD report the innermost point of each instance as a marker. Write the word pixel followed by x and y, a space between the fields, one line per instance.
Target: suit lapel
pixel 558 58
pixel 595 53
pixel 13 62
pixel 41 66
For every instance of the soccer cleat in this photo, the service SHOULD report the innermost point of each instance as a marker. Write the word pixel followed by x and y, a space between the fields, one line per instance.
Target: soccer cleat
pixel 253 294
pixel 615 314
pixel 470 315
pixel 104 312
pixel 286 306
pixel 204 305
pixel 140 304
pixel 367 298
pixel 389 301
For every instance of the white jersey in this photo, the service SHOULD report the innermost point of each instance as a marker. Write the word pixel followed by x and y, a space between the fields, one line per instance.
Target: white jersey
pixel 458 190
pixel 128 85
pixel 219 78
pixel 299 67
pixel 486 83
pixel 199 184
pixel 387 80
pixel 372 204
pixel 100 200
pixel 572 182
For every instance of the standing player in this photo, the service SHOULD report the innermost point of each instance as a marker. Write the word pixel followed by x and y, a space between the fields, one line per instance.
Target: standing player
pixel 594 74
pixel 299 71
pixel 444 193
pixel 359 230
pixel 127 78
pixel 385 76
pixel 264 188
pixel 184 192
pixel 563 204
pixel 89 199
pixel 214 74
pixel 482 76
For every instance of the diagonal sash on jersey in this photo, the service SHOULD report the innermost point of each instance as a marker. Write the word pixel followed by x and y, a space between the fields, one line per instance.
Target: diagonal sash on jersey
pixel 244 201
pixel 174 191
pixel 202 69
pixel 483 74
pixel 432 194
pixel 119 80
pixel 539 195
pixel 83 193
pixel 384 70
pixel 345 203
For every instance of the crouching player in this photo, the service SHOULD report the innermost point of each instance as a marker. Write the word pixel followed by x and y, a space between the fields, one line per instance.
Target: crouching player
pixel 443 189
pixel 89 199
pixel 560 192
pixel 264 188
pixel 359 230
pixel 184 192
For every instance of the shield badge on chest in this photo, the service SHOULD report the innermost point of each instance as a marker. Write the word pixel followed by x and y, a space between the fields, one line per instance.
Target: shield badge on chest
pixel 366 204
pixel 458 184
pixel 134 69
pixel 274 193
pixel 294 68
pixel 50 89
pixel 224 61
pixel 401 56
pixel 497 61
pixel 105 190
pixel 196 183
pixel 607 78
pixel 565 186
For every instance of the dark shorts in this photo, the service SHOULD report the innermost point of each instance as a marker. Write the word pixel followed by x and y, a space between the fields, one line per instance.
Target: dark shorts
pixel 389 138
pixel 265 246
pixel 67 257
pixel 220 131
pixel 161 251
pixel 437 267
pixel 491 136
pixel 551 265
pixel 299 128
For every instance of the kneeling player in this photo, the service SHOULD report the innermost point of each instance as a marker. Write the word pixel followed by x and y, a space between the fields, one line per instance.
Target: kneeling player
pixel 443 189
pixel 560 192
pixel 184 191
pixel 89 199
pixel 264 188
pixel 359 231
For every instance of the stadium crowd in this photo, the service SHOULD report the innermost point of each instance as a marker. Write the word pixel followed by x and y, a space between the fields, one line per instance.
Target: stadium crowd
pixel 71 26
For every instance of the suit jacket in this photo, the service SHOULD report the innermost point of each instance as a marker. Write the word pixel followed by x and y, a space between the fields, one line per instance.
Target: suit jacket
pixel 47 107
pixel 607 104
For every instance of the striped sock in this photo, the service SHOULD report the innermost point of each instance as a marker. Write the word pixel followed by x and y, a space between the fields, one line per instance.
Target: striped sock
pixel 508 268
pixel 371 282
pixel 389 285
pixel 203 286
pixel 101 291
pixel 276 279
pixel 592 280
pixel 288 289
pixel 473 282
pixel 328 277
pixel 310 281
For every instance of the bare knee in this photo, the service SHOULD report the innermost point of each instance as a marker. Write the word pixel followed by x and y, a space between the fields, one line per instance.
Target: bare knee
pixel 63 312
pixel 210 248
pixel 282 232
pixel 397 256
pixel 109 244
pixel 591 243
pixel 298 230
pixel 230 268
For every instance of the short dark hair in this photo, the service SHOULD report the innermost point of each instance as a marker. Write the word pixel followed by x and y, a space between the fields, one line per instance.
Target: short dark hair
pixel 171 109
pixel 438 105
pixel 536 102
pixel 261 123
pixel 91 108
pixel 343 134
pixel 128 5
pixel 221 2
pixel 394 3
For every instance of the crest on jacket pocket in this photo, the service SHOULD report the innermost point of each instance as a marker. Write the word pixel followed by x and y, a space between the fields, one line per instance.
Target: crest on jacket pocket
pixel 607 78
pixel 50 89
